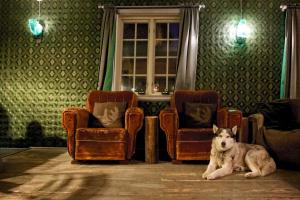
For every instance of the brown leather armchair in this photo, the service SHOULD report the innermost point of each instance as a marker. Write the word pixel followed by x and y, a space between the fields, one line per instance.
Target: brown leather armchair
pixel 189 143
pixel 276 126
pixel 100 143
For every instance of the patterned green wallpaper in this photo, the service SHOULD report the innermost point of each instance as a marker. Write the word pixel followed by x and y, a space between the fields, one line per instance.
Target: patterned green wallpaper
pixel 38 81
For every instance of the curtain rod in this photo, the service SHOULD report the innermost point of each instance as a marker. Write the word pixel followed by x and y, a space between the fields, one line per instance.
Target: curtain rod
pixel 151 7
pixel 294 5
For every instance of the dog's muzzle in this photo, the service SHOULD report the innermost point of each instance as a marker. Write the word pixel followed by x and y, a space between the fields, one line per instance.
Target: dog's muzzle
pixel 223 144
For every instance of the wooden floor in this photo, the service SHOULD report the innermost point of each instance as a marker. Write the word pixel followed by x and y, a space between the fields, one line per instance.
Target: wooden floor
pixel 47 173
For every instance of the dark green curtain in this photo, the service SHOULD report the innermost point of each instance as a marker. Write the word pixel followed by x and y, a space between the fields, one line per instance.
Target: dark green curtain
pixel 290 73
pixel 107 46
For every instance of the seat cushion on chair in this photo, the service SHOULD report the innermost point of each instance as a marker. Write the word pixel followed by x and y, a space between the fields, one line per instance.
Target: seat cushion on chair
pixel 110 114
pixel 100 144
pixel 198 115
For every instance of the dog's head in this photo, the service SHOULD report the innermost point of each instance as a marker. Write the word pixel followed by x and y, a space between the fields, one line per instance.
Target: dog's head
pixel 224 137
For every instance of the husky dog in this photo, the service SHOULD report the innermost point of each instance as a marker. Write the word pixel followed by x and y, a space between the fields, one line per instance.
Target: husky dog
pixel 227 156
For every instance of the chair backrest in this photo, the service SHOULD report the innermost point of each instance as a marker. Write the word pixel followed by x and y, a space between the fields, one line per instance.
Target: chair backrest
pixel 200 96
pixel 110 96
pixel 295 104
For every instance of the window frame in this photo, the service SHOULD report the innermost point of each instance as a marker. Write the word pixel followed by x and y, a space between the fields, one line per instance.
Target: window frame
pixel 150 16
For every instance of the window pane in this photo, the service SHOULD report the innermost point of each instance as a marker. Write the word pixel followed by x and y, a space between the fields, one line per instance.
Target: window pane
pixel 128 48
pixel 171 84
pixel 127 83
pixel 134 56
pixel 172 65
pixel 142 31
pixel 141 66
pixel 161 48
pixel 140 83
pixel 160 66
pixel 161 30
pixel 141 48
pixel 174 30
pixel 173 48
pixel 160 83
pixel 127 66
pixel 128 32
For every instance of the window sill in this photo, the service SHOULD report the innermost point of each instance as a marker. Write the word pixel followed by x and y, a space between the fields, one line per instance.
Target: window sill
pixel 154 97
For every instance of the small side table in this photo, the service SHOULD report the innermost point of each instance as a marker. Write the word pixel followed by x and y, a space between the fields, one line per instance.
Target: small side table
pixel 151 139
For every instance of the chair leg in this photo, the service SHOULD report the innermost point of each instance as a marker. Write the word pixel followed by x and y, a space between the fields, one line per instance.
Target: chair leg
pixel 75 162
pixel 124 162
pixel 177 161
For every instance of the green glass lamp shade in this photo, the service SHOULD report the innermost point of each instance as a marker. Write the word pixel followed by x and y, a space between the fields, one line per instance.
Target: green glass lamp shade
pixel 242 30
pixel 35 27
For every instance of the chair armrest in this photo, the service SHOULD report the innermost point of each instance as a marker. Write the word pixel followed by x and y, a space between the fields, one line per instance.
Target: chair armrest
pixel 257 119
pixel 229 118
pixel 244 131
pixel 222 117
pixel 73 118
pixel 134 118
pixel 169 123
pixel 256 122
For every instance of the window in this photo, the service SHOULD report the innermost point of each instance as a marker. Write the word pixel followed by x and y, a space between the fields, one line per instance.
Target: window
pixel 146 51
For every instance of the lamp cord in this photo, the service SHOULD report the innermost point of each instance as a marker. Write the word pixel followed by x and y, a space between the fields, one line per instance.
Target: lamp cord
pixel 241 5
pixel 39 9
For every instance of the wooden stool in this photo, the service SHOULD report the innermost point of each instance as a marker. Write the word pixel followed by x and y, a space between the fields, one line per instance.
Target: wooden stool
pixel 151 139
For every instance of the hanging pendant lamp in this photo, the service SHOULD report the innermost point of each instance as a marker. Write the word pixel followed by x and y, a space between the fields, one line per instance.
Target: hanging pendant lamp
pixel 242 29
pixel 35 25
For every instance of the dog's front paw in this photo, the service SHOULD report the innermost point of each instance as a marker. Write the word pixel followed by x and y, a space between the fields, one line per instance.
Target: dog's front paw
pixel 204 175
pixel 211 177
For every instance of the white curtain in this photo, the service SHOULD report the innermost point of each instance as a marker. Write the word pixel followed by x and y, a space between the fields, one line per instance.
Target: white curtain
pixel 188 49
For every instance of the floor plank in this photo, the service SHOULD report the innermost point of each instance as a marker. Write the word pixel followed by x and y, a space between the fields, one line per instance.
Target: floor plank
pixel 47 173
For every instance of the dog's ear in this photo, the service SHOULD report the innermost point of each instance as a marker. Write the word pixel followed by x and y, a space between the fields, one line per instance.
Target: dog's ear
pixel 215 129
pixel 234 130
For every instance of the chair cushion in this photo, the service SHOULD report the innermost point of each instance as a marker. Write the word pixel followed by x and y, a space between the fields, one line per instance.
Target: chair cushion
pixel 277 115
pixel 295 104
pixel 198 115
pixel 110 114
pixel 94 122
